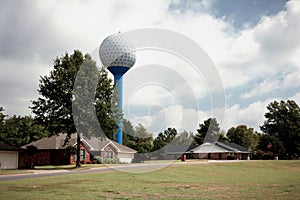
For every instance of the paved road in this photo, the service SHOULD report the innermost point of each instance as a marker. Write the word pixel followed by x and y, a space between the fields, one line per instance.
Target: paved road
pixel 133 168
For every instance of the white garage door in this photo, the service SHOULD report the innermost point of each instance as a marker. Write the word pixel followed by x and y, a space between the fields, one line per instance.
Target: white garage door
pixel 9 160
pixel 125 157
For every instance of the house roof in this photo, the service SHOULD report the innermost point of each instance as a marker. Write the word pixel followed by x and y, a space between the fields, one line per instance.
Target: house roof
pixel 177 149
pixel 92 144
pixel 98 144
pixel 8 147
pixel 219 147
pixel 236 146
pixel 209 148
pixel 53 142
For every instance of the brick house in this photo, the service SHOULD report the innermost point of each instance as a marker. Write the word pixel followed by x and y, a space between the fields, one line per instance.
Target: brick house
pixel 52 151
pixel 220 151
pixel 215 151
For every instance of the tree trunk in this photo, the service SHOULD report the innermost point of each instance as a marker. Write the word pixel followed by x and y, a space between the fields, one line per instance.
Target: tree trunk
pixel 78 151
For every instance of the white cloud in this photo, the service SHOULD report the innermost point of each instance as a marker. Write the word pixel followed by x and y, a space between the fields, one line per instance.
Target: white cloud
pixel 35 33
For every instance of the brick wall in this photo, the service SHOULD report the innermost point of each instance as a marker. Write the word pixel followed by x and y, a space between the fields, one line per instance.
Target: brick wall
pixel 109 148
pixel 44 157
pixel 87 155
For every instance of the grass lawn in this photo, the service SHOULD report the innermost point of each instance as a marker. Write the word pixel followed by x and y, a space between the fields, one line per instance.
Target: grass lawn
pixel 242 180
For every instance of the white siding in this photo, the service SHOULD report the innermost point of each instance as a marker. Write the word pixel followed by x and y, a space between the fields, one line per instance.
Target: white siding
pixel 9 159
pixel 126 157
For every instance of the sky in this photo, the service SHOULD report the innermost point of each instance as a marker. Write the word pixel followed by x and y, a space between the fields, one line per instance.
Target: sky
pixel 254 45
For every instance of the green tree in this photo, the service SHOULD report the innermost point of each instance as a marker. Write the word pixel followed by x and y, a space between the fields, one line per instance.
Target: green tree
pixel 128 134
pixel 107 110
pixel 183 138
pixel 243 136
pixel 60 97
pixel 32 151
pixel 2 116
pixel 164 138
pixel 222 136
pixel 19 131
pixel 209 131
pixel 283 121
pixel 144 139
pixel 270 146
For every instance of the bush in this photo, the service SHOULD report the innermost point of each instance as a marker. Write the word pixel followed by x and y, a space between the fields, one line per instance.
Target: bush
pixel 97 159
pixel 82 162
pixel 230 157
pixel 111 161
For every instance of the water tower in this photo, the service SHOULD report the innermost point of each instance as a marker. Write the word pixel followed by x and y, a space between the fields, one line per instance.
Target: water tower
pixel 118 56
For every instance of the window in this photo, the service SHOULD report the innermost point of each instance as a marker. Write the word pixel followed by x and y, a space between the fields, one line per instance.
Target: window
pixel 108 154
pixel 82 155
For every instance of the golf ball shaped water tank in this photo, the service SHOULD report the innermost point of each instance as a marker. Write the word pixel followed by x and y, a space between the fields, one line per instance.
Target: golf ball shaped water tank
pixel 117 50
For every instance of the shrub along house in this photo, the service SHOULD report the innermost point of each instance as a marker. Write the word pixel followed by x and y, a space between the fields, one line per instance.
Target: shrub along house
pixel 53 151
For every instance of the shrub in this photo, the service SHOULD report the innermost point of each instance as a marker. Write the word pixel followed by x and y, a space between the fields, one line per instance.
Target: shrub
pixel 230 157
pixel 82 162
pixel 111 160
pixel 97 159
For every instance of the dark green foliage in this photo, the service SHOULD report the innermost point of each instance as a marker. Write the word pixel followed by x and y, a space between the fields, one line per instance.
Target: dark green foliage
pixel 209 131
pixel 19 131
pixel 270 146
pixel 144 140
pixel 2 116
pixel 183 138
pixel 53 108
pixel 70 150
pixel 128 134
pixel 164 138
pixel 32 151
pixel 283 122
pixel 92 94
pixel 107 113
pixel 74 97
pixel 243 136
pixel 98 159
pixel 111 161
pixel 230 157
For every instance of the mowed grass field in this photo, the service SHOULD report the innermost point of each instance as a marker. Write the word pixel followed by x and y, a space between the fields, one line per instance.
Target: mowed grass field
pixel 239 180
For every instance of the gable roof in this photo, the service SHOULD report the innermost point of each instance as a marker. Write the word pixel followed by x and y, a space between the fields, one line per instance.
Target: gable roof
pixel 219 147
pixel 178 149
pixel 8 147
pixel 53 142
pixel 92 144
pixel 209 148
pixel 99 144
pixel 236 146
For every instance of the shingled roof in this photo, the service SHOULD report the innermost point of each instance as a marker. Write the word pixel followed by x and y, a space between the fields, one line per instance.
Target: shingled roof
pixel 98 144
pixel 8 147
pixel 53 142
pixel 219 147
pixel 93 143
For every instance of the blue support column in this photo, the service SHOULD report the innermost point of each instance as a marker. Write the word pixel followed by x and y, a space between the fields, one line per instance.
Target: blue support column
pixel 118 73
pixel 119 82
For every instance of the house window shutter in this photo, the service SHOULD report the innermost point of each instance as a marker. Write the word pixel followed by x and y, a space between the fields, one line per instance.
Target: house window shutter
pixel 84 154
pixel 75 157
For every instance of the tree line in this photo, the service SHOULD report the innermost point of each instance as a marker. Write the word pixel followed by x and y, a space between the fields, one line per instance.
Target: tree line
pixel 53 114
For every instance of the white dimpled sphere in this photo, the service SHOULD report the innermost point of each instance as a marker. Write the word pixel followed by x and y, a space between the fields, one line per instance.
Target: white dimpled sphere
pixel 117 50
